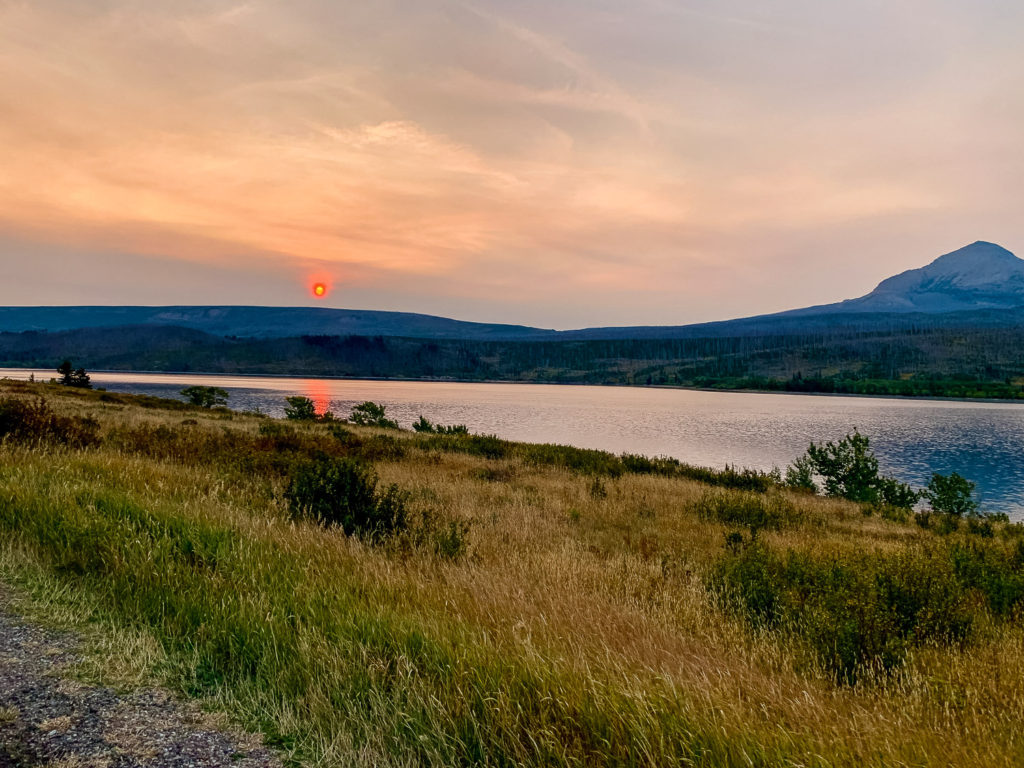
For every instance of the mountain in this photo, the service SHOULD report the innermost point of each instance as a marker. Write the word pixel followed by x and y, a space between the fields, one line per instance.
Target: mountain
pixel 261 322
pixel 980 285
pixel 979 276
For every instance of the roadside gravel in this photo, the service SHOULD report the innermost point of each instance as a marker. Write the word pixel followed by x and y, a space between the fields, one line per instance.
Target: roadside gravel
pixel 50 720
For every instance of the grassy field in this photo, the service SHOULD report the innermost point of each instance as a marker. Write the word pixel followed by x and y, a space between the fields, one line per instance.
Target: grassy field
pixel 541 606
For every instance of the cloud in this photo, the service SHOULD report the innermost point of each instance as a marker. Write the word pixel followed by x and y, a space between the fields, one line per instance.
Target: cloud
pixel 558 164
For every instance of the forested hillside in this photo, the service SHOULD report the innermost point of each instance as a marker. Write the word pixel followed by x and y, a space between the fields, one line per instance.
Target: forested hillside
pixel 961 362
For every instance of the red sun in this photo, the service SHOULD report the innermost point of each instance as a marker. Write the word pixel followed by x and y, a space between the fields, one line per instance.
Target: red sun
pixel 319 290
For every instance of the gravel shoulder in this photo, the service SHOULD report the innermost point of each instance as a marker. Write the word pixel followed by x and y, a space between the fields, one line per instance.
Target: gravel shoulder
pixel 49 719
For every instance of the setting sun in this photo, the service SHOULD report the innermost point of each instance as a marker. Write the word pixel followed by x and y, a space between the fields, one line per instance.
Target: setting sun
pixel 319 290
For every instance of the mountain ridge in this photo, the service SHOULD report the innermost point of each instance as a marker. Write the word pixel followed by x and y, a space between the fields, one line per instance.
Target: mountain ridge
pixel 981 283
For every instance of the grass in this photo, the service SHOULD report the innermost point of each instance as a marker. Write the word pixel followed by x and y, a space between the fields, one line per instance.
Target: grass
pixel 570 626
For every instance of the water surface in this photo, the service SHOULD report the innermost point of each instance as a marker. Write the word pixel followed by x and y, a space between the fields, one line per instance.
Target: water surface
pixel 983 441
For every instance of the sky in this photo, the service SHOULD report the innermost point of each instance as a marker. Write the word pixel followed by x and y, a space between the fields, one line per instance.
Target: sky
pixel 558 164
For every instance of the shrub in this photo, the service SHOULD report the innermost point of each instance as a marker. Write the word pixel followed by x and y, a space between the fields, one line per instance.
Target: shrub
pixel 586 461
pixel 849 468
pixel 487 446
pixel 893 493
pixel 994 571
pixel 951 495
pixel 730 477
pixel 343 493
pixel 451 540
pixel 370 414
pixel 73 377
pixel 754 510
pixel 28 421
pixel 300 409
pixel 855 612
pixel 369 448
pixel 424 425
pixel 205 397
pixel 800 475
pixel 451 429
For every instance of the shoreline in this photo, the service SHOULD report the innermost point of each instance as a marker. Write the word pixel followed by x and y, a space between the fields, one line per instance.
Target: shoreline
pixel 448 380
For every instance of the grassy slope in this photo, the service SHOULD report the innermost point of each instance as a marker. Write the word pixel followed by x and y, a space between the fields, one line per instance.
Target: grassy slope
pixel 577 630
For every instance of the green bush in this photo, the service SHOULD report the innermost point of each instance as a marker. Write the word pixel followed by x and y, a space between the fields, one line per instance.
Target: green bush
pixel 451 540
pixel 487 446
pixel 424 425
pixel 300 409
pixel 370 414
pixel 369 448
pixel 951 495
pixel 855 613
pixel 73 377
pixel 894 494
pixel 30 421
pixel 994 571
pixel 754 510
pixel 800 475
pixel 585 461
pixel 205 397
pixel 343 493
pixel 848 468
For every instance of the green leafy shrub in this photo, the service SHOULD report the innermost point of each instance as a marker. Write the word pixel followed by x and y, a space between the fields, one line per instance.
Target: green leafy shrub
pixel 451 540
pixel 995 572
pixel 800 475
pixel 753 510
pixel 894 494
pixel 585 461
pixel 855 612
pixel 76 377
pixel 849 468
pixel 205 397
pixel 30 421
pixel 451 429
pixel 424 425
pixel 951 495
pixel 980 526
pixel 730 477
pixel 343 493
pixel 300 408
pixel 486 446
pixel 369 448
pixel 370 414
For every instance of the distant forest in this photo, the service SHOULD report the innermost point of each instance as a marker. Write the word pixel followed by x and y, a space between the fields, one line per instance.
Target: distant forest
pixel 937 361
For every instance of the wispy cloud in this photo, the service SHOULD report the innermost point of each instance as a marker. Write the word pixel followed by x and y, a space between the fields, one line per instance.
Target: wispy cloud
pixel 561 164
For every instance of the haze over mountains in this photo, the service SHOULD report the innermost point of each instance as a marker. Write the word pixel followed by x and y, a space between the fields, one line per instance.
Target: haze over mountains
pixel 979 276
pixel 980 284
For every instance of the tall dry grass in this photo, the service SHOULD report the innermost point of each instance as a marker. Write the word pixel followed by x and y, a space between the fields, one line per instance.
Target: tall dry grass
pixel 582 626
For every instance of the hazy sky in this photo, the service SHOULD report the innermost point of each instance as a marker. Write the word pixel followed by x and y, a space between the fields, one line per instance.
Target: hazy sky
pixel 558 164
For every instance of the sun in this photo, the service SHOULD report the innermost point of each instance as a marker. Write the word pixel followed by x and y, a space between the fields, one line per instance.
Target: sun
pixel 319 290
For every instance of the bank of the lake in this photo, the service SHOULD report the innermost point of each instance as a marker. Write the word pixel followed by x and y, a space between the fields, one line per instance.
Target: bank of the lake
pixel 531 605
pixel 912 438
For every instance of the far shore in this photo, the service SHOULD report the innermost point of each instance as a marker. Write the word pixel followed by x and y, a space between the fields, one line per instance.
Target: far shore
pixel 451 380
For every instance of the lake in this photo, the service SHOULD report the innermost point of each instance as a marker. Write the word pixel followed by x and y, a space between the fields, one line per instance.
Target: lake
pixel 912 438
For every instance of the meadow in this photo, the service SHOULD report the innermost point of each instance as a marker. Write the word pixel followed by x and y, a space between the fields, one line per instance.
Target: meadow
pixel 508 604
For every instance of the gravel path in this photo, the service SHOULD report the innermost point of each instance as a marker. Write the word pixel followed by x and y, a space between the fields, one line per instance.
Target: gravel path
pixel 47 719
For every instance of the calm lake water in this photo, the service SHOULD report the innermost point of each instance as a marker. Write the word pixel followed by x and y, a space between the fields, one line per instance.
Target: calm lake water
pixel 912 438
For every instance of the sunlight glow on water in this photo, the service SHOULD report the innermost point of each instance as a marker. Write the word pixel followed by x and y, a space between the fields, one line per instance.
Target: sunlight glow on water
pixel 912 438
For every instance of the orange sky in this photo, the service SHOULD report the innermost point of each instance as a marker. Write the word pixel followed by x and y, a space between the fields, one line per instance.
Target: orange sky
pixel 560 165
